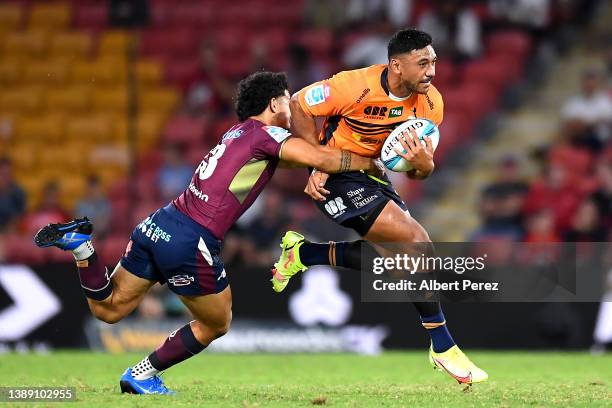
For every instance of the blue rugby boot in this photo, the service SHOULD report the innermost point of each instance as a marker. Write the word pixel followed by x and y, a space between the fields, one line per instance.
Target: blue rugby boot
pixel 67 236
pixel 153 385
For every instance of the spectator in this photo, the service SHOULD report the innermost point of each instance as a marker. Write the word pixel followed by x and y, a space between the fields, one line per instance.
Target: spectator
pixel 557 191
pixel 49 211
pixel 455 30
pixel 95 206
pixel 603 196
pixel 361 12
pixel 301 70
pixel 12 196
pixel 174 174
pixel 587 117
pixel 263 233
pixel 324 14
pixel 207 91
pixel 370 49
pixel 540 227
pixel 530 14
pixel 586 225
pixel 502 203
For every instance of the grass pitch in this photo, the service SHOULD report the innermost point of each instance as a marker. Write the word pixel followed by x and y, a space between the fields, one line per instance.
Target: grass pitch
pixel 394 379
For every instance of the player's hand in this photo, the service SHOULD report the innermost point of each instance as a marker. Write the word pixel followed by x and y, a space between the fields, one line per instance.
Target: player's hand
pixel 420 157
pixel 315 186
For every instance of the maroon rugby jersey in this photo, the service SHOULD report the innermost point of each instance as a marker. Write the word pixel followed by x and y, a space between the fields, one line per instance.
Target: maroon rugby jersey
pixel 232 175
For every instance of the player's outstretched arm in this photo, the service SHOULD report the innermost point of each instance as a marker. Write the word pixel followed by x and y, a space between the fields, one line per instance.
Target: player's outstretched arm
pixel 324 158
pixel 302 123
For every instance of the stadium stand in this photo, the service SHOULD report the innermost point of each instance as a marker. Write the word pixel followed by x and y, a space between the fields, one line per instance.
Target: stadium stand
pixel 67 100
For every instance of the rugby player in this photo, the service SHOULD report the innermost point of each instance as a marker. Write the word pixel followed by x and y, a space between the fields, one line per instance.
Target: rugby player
pixel 361 107
pixel 180 243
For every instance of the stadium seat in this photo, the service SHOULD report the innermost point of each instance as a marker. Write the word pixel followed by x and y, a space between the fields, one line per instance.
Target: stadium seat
pixel 497 70
pixel 289 15
pixel 121 220
pixel 149 72
pixel 113 247
pixel 181 72
pixel 50 16
pixel 45 130
pixel 49 72
pixel 19 249
pixel 23 99
pixel 192 14
pixel 11 16
pixel 74 99
pixel 94 127
pixel 176 42
pixel 108 71
pixel 91 16
pixel 114 43
pixel 71 44
pixel 319 42
pixel 25 44
pixel 161 99
pixel 149 127
pixel 185 130
pixel 64 159
pixel 512 42
pixel 113 100
pixel 10 71
pixel 24 157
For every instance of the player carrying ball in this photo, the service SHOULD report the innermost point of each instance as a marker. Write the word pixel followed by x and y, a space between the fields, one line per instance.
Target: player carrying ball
pixel 180 243
pixel 361 108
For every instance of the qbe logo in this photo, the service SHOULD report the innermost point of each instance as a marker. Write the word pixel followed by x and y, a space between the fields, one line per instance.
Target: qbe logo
pixel 335 207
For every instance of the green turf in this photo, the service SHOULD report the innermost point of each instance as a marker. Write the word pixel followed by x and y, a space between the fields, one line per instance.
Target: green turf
pixel 262 380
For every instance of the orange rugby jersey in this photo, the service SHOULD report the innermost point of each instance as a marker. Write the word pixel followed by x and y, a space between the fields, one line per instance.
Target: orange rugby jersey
pixel 360 113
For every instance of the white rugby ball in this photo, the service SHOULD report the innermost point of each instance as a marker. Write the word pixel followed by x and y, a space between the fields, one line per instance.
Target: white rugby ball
pixel 422 127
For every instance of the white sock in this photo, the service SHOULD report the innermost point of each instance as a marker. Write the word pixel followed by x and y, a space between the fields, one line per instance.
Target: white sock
pixel 144 370
pixel 83 251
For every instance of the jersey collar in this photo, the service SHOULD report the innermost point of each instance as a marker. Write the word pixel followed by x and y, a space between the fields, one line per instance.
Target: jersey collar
pixel 384 82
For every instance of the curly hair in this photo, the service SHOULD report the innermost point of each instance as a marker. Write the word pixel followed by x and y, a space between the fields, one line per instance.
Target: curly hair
pixel 255 92
pixel 407 40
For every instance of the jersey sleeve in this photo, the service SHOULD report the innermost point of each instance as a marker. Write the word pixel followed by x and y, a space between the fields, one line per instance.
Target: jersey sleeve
pixel 329 97
pixel 268 142
pixel 435 106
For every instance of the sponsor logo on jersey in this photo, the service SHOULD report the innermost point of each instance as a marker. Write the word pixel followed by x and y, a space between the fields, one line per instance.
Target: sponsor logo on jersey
pixel 153 231
pixel 232 134
pixel 375 112
pixel 317 95
pixel 335 207
pixel 363 95
pixel 277 133
pixel 181 280
pixel 396 112
pixel 429 102
pixel 369 140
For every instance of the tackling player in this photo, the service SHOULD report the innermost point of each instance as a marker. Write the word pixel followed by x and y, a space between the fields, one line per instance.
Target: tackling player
pixel 180 243
pixel 361 107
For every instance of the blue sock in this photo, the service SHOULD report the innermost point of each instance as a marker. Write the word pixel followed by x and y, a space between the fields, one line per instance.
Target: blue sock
pixel 314 254
pixel 441 339
pixel 331 253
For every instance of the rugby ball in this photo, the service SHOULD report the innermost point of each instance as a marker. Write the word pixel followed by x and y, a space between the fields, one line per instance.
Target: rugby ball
pixel 422 127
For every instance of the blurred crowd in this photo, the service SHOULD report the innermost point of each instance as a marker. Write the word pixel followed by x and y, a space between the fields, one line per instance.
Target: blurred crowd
pixel 313 40
pixel 571 199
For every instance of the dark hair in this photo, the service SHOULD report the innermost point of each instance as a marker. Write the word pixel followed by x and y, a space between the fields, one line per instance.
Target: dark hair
pixel 407 40
pixel 255 91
